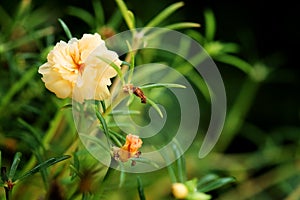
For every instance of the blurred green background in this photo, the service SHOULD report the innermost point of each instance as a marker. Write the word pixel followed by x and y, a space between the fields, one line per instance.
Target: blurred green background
pixel 260 142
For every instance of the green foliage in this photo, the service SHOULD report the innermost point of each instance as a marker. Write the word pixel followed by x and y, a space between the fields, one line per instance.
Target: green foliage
pixel 37 131
pixel 66 29
pixel 10 180
pixel 141 189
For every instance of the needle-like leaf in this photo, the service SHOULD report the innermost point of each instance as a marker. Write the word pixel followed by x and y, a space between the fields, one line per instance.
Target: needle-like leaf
pixel 66 28
pixel 14 165
pixel 43 165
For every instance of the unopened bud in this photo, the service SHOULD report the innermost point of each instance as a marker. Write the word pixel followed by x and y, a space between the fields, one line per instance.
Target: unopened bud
pixel 179 190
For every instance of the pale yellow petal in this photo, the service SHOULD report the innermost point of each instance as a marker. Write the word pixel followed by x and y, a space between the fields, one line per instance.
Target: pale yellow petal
pixel 61 88
pixel 88 43
pixel 75 68
pixel 45 68
pixel 101 92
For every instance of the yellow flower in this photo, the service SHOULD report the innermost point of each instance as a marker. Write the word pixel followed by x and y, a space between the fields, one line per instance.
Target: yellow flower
pixel 129 150
pixel 75 69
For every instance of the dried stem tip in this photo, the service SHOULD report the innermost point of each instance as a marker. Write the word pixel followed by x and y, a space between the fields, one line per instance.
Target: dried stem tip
pixel 136 91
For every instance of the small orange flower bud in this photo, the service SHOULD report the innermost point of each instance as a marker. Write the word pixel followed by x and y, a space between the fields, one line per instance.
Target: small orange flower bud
pixel 129 150
pixel 132 144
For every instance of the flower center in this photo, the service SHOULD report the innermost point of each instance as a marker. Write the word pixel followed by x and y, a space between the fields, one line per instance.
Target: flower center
pixel 80 67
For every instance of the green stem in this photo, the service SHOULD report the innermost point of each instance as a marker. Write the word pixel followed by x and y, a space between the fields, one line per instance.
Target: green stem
pixel 53 127
pixel 181 170
pixel 8 194
pixel 171 174
pixel 141 189
pixel 239 110
pixel 116 101
pixel 129 19
pixel 84 196
pixel 108 174
pixel 135 47
pixel 55 124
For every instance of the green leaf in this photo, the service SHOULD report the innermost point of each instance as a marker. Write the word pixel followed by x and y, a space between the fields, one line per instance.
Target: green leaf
pixel 234 61
pixel 44 172
pixel 164 14
pixel 67 106
pixel 172 174
pixel 34 36
pixel 36 135
pixel 170 168
pixel 85 196
pixel 140 189
pixel 130 99
pixel 132 60
pixel 121 138
pixel 74 172
pixel 52 130
pixel 115 20
pixel 81 14
pixel 14 165
pixel 125 112
pixel 124 62
pixel 43 165
pixel 131 17
pixel 99 12
pixel 167 85
pixel 180 162
pixel 122 176
pixel 191 185
pixel 210 23
pixel 127 17
pixel 230 47
pixel 75 167
pixel 119 124
pixel 182 25
pixel 0 160
pixel 16 87
pixel 65 28
pixel 196 36
pixel 217 184
pixel 103 123
pixel 115 139
pixel 96 141
pixel 206 179
pixel 110 172
pixel 36 18
pixel 103 106
pixel 198 196
pixel 145 161
pixel 155 106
